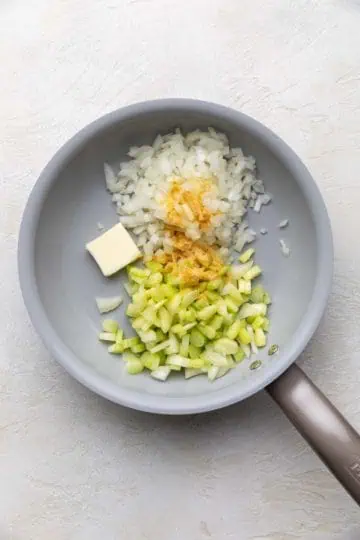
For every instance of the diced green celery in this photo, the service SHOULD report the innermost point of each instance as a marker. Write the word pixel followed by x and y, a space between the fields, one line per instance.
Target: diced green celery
pixel 189 297
pixel 253 273
pixel 189 373
pixel 178 329
pixel 212 296
pixel 160 346
pixel 133 310
pixel 154 266
pixel 257 322
pixel 239 356
pixel 197 363
pixel 177 360
pixel 165 319
pixel 134 367
pixel 231 305
pixel 252 310
pixel 140 324
pixel 150 360
pixel 244 286
pixel 160 336
pixel 257 294
pixel 174 368
pixel 208 332
pixel 173 347
pixel 173 304
pixel 162 373
pixel 201 303
pixel 194 352
pixel 233 330
pixel 107 336
pixel 138 272
pixel 221 308
pixel 153 280
pixel 215 285
pixel 196 338
pixel 239 270
pixel 244 336
pixel 226 346
pixel 246 349
pixel 246 255
pixel 139 348
pixel 147 337
pixel 233 292
pixel 128 288
pixel 109 325
pixel 130 357
pixel 260 338
pixel 184 345
pixel 213 373
pixel 206 313
pixel 216 322
pixel 119 336
pixel 116 348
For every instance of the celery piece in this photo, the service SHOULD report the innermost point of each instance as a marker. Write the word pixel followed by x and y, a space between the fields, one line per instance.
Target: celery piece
pixel 253 273
pixel 206 313
pixel 105 305
pixel 151 361
pixel 226 346
pixel 177 360
pixel 239 270
pixel 201 304
pixel 139 348
pixel 154 266
pixel 189 297
pixel 173 347
pixel 160 346
pixel 109 325
pixel 216 322
pixel 246 255
pixel 116 348
pixel 233 330
pixel 174 303
pixel 244 286
pixel 266 324
pixel 252 310
pixel 165 319
pixel 212 296
pixel 148 336
pixel 184 345
pixel 196 338
pixel 267 298
pixel 153 280
pixel 208 332
pixel 231 305
pixel 215 285
pixel 107 336
pixel 257 295
pixel 162 373
pixel 260 338
pixel 197 363
pixel 119 336
pixel 134 367
pixel 213 372
pixel 244 336
pixel 194 352
pixel 239 356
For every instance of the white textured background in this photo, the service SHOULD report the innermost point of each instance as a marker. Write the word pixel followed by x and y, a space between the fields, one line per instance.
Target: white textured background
pixel 73 467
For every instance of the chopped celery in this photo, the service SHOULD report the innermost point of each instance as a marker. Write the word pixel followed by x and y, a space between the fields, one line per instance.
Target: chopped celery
pixel 215 285
pixel 178 360
pixel 107 336
pixel 239 270
pixel 165 319
pixel 109 325
pixel 257 295
pixel 234 329
pixel 174 303
pixel 233 292
pixel 206 313
pixel 160 347
pixel 162 373
pixel 244 286
pixel 260 338
pixel 139 348
pixel 213 372
pixel 134 367
pixel 196 338
pixel 239 356
pixel 216 322
pixel 151 361
pixel 189 298
pixel 194 352
pixel 226 346
pixel 207 331
pixel 116 348
pixel 246 255
pixel 108 304
pixel 258 322
pixel 253 273
pixel 201 304
pixel 231 305
pixel 252 310
pixel 244 336
pixel 184 345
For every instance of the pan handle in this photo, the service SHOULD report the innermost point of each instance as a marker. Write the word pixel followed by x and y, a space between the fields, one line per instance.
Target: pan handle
pixel 329 434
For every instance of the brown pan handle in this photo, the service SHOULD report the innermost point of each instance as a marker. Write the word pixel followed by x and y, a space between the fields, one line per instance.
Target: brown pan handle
pixel 329 434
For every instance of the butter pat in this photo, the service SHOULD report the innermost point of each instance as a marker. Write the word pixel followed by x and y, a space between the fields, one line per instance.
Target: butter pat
pixel 113 250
